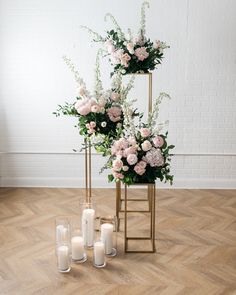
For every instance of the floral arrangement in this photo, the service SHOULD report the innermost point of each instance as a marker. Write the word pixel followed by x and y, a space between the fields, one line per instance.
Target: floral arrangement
pixel 129 54
pixel 142 154
pixel 100 116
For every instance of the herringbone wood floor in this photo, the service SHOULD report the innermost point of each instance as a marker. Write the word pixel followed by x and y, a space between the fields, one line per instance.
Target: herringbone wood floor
pixel 195 239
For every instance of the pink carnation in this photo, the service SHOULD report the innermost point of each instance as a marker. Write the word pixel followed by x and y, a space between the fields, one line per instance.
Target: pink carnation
pixel 132 159
pixel 114 114
pixel 141 53
pixel 158 141
pixel 145 132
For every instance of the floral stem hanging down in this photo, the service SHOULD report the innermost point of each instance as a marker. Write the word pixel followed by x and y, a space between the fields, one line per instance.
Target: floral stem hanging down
pixel 100 116
pixel 129 54
pixel 141 154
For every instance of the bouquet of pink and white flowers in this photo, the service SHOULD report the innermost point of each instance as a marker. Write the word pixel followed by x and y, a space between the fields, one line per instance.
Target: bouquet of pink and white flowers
pixel 129 54
pixel 100 116
pixel 142 154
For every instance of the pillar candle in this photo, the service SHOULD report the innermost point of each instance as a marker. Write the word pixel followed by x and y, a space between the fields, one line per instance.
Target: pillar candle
pixel 77 246
pixel 106 236
pixel 99 253
pixel 63 257
pixel 88 226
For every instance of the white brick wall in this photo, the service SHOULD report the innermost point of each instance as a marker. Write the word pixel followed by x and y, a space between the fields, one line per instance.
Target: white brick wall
pixel 199 71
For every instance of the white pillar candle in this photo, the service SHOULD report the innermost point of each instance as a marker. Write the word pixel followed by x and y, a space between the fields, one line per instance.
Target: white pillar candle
pixel 88 226
pixel 99 253
pixel 63 257
pixel 77 246
pixel 106 236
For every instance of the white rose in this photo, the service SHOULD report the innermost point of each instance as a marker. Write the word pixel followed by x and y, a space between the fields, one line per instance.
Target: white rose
pixel 146 145
pixel 125 168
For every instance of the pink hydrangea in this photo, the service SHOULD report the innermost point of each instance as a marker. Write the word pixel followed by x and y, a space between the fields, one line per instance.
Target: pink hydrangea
pixel 158 141
pixel 132 159
pixel 141 53
pixel 154 158
pixel 145 132
pixel 83 106
pixel 114 114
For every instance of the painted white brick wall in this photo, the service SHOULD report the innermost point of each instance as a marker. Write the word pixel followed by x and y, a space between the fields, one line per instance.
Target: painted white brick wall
pixel 199 71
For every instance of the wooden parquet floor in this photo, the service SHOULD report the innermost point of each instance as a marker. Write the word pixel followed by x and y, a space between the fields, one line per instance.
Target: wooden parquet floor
pixel 195 240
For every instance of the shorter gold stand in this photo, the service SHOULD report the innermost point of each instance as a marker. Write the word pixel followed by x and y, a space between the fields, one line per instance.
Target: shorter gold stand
pixel 151 193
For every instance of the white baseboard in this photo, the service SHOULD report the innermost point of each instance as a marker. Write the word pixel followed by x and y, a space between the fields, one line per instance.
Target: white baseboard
pixel 101 182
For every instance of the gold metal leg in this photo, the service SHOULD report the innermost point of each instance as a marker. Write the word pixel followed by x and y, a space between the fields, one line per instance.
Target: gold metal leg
pixel 151 196
pixel 88 169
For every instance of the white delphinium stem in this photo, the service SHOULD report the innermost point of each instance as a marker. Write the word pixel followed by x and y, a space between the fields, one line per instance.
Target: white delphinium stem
pixel 129 86
pixel 98 89
pixel 116 81
pixel 117 27
pixel 96 37
pixel 142 30
pixel 153 116
pixel 129 35
pixel 71 66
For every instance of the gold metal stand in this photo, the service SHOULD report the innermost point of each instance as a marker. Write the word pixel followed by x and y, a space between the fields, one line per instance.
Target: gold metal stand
pixel 88 169
pixel 151 192
pixel 119 199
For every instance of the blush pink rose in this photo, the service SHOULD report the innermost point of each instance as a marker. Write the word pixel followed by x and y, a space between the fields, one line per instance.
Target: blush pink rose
pixel 115 96
pixel 117 175
pixel 157 44
pixel 146 145
pixel 130 150
pixel 83 106
pixel 158 141
pixel 117 164
pixel 142 164
pixel 130 47
pixel 132 159
pixel 92 124
pixel 145 132
pixel 124 59
pixel 139 170
pixel 95 108
pixel 141 53
pixel 114 114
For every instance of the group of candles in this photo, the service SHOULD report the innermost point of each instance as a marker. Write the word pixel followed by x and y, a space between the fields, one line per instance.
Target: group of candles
pixel 71 243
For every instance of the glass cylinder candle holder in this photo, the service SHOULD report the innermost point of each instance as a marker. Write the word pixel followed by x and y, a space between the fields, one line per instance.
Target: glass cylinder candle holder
pixel 78 253
pixel 88 223
pixel 63 244
pixel 99 258
pixel 108 228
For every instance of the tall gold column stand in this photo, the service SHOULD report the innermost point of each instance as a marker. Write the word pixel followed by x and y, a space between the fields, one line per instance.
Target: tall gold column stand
pixel 88 169
pixel 150 194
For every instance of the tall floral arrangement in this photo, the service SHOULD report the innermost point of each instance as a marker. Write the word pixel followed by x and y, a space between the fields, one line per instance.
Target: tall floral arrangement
pixel 141 154
pixel 128 53
pixel 100 116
